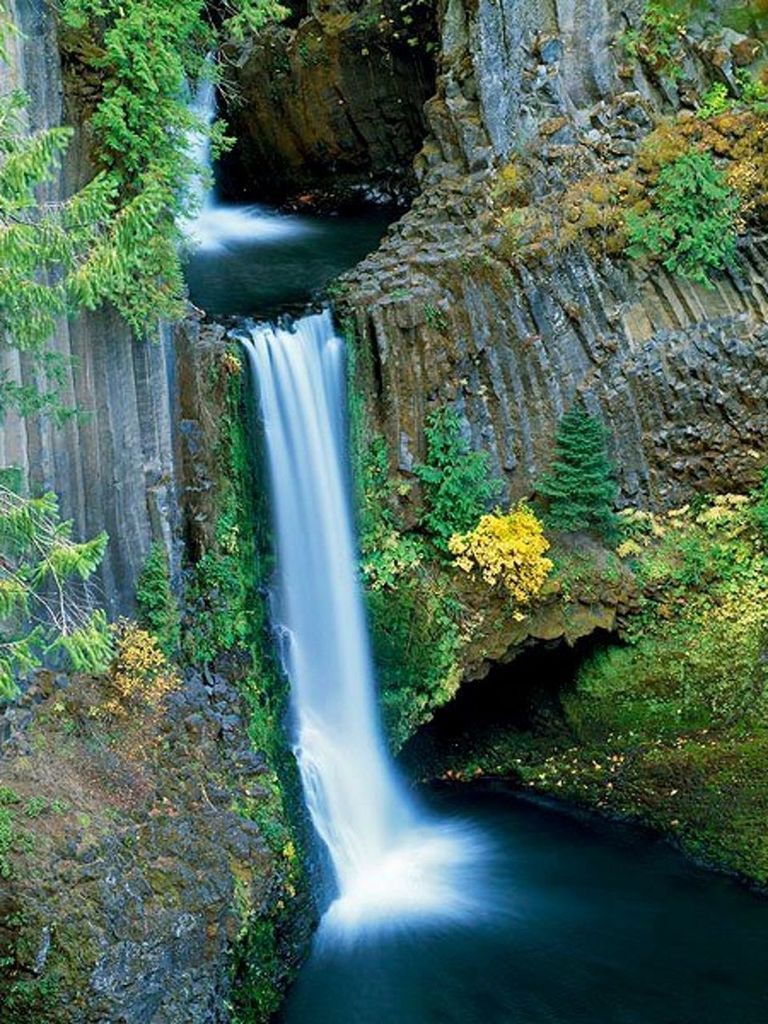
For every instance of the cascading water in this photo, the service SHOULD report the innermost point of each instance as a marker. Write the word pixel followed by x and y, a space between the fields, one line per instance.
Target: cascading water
pixel 388 860
pixel 218 226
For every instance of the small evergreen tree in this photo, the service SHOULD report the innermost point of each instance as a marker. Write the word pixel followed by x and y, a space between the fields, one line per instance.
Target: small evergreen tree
pixel 580 487
pixel 458 486
pixel 42 606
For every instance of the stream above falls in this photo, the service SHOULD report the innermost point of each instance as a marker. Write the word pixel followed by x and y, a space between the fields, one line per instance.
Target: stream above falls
pixel 257 262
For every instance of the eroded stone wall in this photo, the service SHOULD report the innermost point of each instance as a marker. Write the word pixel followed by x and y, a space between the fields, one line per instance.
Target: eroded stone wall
pixel 448 314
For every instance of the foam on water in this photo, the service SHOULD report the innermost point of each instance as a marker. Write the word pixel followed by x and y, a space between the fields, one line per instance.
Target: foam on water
pixel 220 227
pixel 213 226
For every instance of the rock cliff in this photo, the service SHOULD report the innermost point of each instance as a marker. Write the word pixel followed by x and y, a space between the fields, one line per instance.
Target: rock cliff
pixel 111 464
pixel 339 95
pixel 132 874
pixel 510 316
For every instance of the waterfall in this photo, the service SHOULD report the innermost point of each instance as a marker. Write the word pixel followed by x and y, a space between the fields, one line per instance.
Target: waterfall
pixel 215 226
pixel 203 106
pixel 388 858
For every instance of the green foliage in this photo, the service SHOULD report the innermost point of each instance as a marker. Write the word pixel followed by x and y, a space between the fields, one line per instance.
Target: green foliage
pixel 257 967
pixel 159 612
pixel 228 616
pixel 754 92
pixel 668 726
pixel 416 638
pixel 6 842
pixel 387 551
pixel 35 806
pixel 117 240
pixel 43 607
pixel 221 589
pixel 456 481
pixel 42 246
pixel 695 653
pixel 435 317
pixel 760 507
pixel 656 41
pixel 31 999
pixel 715 100
pixel 691 224
pixel 414 619
pixel 580 487
pixel 142 53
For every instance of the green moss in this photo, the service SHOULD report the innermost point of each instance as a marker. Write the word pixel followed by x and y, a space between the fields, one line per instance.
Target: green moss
pixel 223 592
pixel 6 842
pixel 31 1001
pixel 416 641
pixel 257 966
pixel 668 727
pixel 413 607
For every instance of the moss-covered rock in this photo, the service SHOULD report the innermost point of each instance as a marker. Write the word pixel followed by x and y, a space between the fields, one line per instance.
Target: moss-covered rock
pixel 132 865
pixel 669 726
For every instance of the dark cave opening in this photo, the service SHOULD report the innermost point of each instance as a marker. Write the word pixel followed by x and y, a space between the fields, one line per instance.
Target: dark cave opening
pixel 327 113
pixel 522 696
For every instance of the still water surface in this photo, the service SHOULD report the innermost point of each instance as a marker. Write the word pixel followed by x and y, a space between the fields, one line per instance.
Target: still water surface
pixel 256 262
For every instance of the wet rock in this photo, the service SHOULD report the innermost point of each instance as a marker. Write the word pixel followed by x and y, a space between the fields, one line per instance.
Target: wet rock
pixel 527 326
pixel 340 94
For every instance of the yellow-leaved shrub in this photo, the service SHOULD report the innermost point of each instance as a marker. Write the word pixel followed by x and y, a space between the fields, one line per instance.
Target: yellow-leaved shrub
pixel 507 550
pixel 140 675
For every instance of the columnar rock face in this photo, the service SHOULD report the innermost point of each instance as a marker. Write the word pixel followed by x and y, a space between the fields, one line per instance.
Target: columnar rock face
pixel 111 464
pixel 509 327
pixel 340 94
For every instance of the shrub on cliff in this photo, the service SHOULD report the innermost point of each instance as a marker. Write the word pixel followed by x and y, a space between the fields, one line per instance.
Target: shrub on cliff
pixel 159 611
pixel 508 550
pixel 760 507
pixel 458 487
pixel 43 610
pixel 140 677
pixel 580 487
pixel 691 222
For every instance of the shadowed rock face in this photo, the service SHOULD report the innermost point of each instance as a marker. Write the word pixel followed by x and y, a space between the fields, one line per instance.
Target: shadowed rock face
pixel 341 94
pixel 447 315
pixel 112 465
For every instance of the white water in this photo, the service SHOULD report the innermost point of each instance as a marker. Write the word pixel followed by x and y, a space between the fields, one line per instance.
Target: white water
pixel 216 227
pixel 389 862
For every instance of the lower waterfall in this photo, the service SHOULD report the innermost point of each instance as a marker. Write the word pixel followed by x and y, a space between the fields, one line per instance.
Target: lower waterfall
pixel 389 860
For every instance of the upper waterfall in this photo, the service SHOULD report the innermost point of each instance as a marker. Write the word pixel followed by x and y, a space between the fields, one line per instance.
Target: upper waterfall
pixel 216 226
pixel 388 859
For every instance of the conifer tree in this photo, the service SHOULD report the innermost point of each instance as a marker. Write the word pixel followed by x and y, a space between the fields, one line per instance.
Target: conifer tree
pixel 580 487
pixel 43 611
